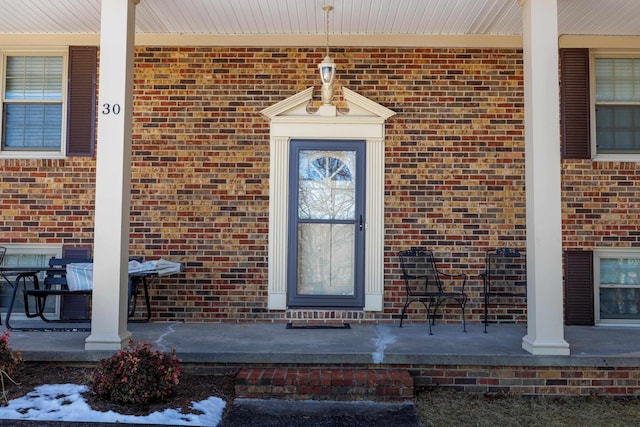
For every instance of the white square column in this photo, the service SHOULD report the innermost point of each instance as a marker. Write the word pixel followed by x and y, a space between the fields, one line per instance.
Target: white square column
pixel 545 327
pixel 113 177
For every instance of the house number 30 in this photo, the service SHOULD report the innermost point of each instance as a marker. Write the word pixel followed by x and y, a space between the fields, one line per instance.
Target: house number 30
pixel 111 109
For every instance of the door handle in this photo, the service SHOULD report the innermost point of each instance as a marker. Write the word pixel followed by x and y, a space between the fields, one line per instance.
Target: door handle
pixel 361 224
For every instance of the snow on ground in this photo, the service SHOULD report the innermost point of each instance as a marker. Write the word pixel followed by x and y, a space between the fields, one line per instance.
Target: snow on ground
pixel 65 402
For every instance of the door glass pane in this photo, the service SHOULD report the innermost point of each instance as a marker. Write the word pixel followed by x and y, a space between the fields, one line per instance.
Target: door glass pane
pixel 325 259
pixel 326 185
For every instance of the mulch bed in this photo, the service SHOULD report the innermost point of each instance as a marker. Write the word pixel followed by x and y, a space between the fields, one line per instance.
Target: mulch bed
pixel 193 387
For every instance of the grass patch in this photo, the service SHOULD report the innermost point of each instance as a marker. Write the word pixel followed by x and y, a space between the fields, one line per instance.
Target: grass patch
pixel 442 407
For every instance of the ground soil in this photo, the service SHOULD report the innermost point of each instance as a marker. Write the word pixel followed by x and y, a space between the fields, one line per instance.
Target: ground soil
pixel 193 387
pixel 435 406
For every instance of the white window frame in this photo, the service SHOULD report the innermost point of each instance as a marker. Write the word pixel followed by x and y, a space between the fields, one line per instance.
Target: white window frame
pixel 36 154
pixel 598 254
pixel 46 249
pixel 598 53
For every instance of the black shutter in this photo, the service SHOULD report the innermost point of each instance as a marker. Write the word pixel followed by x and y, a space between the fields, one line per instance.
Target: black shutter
pixel 81 100
pixel 578 286
pixel 76 252
pixel 575 104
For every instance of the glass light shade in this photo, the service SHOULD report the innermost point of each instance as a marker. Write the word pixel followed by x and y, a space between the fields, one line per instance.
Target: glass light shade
pixel 327 70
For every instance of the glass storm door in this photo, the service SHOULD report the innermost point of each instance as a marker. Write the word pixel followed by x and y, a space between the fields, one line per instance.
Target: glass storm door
pixel 326 227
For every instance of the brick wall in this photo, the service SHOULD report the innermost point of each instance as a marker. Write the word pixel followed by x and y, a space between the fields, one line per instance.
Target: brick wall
pixel 454 171
pixel 549 381
pixel 532 380
pixel 600 204
pixel 47 201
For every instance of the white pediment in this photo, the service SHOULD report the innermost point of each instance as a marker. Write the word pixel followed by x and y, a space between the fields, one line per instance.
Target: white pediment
pixel 298 106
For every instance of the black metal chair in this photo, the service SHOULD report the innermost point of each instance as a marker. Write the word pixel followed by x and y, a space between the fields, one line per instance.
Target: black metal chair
pixel 504 280
pixel 424 284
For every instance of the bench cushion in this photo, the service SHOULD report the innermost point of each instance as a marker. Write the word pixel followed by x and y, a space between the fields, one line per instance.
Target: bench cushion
pixel 80 276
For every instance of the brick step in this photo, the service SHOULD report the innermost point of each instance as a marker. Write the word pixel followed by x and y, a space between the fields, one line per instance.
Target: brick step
pixel 341 384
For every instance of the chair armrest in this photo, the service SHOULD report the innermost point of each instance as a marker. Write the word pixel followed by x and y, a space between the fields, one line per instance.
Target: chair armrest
pixel 453 275
pixel 462 276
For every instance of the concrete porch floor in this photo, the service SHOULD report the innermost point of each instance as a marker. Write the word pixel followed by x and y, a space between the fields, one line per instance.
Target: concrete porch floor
pixel 363 344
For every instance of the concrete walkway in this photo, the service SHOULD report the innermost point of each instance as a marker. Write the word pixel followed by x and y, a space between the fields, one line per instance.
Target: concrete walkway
pixel 370 344
pixel 235 343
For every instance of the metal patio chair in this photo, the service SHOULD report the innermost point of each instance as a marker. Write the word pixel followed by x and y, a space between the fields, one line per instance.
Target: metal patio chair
pixel 424 284
pixel 504 281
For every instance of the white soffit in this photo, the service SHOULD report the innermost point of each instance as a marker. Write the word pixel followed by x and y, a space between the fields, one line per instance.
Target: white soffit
pixel 306 17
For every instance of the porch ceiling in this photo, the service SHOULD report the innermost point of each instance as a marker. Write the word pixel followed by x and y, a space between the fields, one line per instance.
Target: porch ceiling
pixel 296 17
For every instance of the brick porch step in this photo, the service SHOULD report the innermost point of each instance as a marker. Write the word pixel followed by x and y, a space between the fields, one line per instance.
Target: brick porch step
pixel 339 384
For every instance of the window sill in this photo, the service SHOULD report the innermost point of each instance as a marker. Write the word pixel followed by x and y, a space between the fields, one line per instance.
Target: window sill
pixel 616 158
pixel 35 155
pixel 619 323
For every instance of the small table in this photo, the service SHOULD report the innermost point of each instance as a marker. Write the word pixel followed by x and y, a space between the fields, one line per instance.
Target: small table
pixel 6 272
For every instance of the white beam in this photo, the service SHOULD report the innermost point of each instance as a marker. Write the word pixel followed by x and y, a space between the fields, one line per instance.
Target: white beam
pixel 545 329
pixel 113 177
pixel 280 40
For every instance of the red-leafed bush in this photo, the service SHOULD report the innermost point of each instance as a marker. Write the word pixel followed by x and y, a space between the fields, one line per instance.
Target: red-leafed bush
pixel 10 361
pixel 136 375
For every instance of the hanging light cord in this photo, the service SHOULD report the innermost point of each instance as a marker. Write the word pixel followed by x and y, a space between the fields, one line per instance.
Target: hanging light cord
pixel 327 9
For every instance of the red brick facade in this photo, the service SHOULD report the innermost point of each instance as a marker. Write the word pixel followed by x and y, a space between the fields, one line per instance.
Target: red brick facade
pixel 454 177
pixel 533 380
pixel 393 383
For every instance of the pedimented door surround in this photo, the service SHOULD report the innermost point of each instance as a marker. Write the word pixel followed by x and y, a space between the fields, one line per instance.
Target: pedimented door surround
pixel 363 120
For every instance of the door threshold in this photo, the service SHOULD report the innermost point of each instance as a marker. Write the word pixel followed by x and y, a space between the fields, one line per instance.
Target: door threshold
pixel 316 325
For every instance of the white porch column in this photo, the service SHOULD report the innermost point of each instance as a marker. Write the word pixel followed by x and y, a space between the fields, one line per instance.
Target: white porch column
pixel 545 328
pixel 113 177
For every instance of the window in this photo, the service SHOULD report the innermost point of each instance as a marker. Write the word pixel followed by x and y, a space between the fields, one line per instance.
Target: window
pixel 616 99
pixel 25 256
pixel 617 286
pixel 48 103
pixel 33 98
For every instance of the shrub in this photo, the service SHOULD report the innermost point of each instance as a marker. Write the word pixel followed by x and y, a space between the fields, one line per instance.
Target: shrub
pixel 136 375
pixel 10 361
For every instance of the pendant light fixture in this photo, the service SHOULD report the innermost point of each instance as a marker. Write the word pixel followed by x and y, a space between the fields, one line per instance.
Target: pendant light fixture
pixel 327 66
